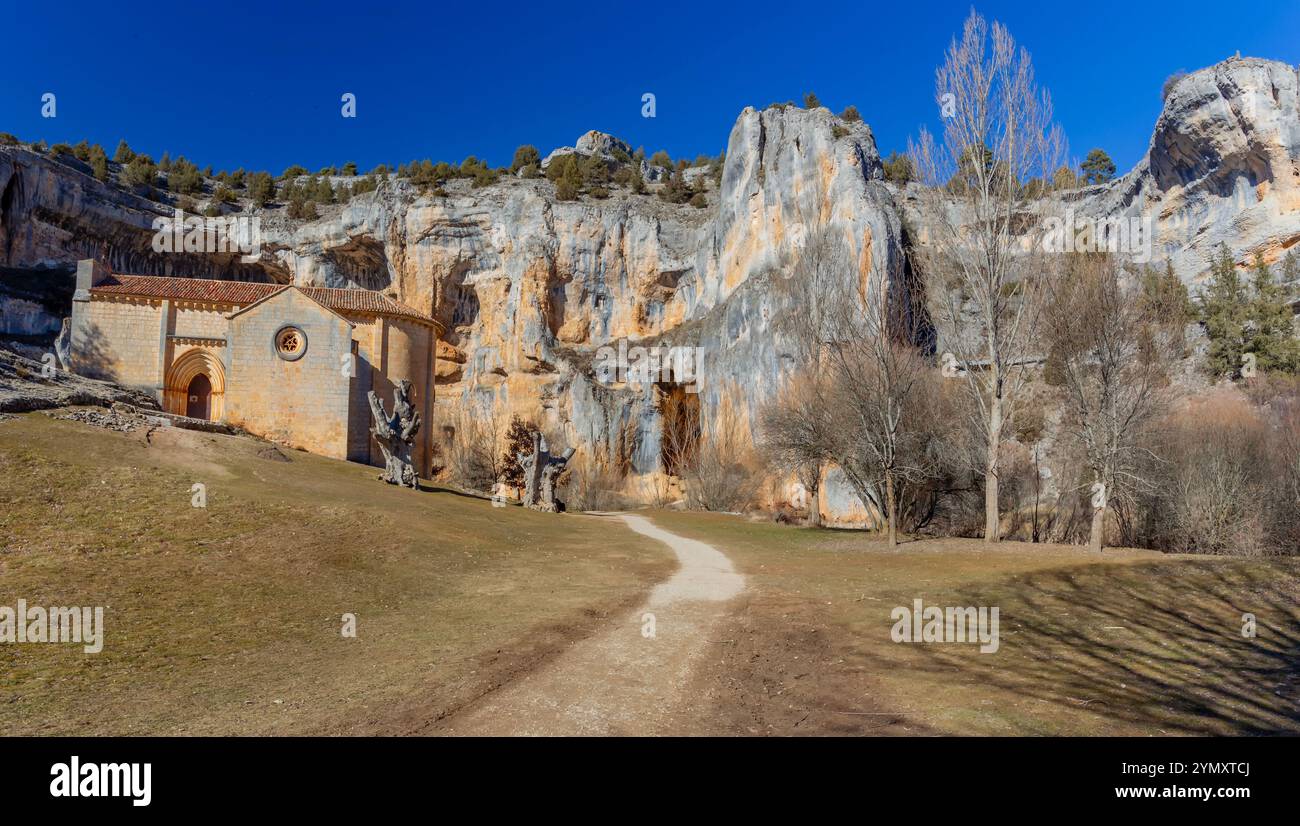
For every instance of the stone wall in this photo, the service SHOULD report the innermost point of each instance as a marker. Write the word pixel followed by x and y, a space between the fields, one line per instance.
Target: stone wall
pixel 117 339
pixel 302 403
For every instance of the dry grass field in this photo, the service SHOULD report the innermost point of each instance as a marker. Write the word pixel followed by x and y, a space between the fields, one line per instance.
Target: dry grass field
pixel 1128 643
pixel 227 619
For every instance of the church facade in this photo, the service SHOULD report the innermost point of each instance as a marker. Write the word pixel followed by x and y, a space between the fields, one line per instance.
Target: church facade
pixel 291 364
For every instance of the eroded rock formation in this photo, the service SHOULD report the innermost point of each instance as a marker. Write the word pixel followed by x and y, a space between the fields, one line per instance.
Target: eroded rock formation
pixel 529 287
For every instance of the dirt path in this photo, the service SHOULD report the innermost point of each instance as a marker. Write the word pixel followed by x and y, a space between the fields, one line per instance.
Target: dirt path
pixel 623 680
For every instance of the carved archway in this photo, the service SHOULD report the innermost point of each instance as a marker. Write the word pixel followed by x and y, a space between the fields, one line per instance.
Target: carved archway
pixel 184 370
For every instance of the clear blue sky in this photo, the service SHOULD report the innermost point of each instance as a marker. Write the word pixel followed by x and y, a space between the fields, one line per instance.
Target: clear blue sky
pixel 258 85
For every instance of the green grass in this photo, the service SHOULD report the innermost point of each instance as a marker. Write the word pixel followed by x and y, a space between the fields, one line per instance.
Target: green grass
pixel 227 619
pixel 1131 642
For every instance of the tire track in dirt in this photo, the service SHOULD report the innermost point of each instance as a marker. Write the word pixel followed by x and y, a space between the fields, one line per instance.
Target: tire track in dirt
pixel 621 681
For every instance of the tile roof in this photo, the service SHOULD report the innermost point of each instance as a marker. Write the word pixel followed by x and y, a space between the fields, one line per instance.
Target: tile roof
pixel 192 289
pixel 362 301
pixel 243 293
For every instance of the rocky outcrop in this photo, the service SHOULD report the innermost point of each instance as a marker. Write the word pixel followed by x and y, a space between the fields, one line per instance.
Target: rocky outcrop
pixel 1223 167
pixel 54 213
pixel 27 384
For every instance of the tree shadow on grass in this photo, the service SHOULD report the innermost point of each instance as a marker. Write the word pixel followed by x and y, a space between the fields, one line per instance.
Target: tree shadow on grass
pixel 1156 645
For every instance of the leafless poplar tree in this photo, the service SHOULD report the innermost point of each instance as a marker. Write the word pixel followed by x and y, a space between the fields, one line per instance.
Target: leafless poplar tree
pixel 1113 363
pixel 860 400
pixel 796 433
pixel 981 243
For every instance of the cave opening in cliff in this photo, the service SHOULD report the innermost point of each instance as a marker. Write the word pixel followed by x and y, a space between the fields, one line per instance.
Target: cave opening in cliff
pixel 679 413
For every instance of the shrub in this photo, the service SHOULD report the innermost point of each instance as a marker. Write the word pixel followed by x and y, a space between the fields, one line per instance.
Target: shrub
pixel 1170 83
pixel 1227 481
pixel 301 209
pixel 898 169
pixel 519 439
pixel 1064 178
pixel 721 473
pixel 7 139
pixel 261 188
pixel 366 184
pixel 469 450
pixel 595 171
pixel 526 155
pixel 321 191
pixel 675 191
pixel 140 172
pixel 292 172
pixel 184 177
pixel 811 101
pixel 98 160
pixel 850 114
pixel 565 172
pixel 594 482
pixel 123 155
pixel 350 169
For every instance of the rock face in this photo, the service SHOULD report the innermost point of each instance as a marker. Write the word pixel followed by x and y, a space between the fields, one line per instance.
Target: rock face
pixel 529 288
pixel 1223 167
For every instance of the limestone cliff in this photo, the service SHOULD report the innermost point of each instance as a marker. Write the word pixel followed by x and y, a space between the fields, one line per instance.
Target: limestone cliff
pixel 1223 167
pixel 529 286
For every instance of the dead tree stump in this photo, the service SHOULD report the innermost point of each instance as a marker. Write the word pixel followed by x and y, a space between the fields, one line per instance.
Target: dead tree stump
pixel 540 471
pixel 395 434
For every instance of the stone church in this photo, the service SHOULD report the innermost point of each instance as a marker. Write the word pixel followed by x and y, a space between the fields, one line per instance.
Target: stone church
pixel 291 364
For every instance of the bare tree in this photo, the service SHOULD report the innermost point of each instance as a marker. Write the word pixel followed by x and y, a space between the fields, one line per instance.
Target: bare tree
pixel 980 186
pixel 866 385
pixel 596 475
pixel 714 458
pixel 796 433
pixel 1113 363
pixel 470 446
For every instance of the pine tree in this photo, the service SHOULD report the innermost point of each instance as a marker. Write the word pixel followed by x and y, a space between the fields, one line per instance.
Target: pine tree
pixel 1097 168
pixel 1291 274
pixel 1223 308
pixel 261 188
pixel 123 155
pixel 1270 334
pixel 595 172
pixel 99 162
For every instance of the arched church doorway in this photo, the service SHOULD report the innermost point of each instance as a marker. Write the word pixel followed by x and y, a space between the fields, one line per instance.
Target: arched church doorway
pixel 199 398
pixel 196 386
